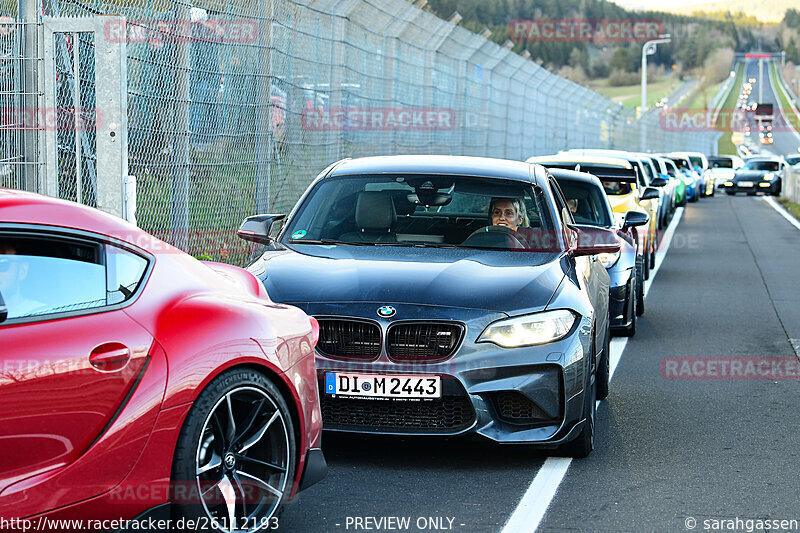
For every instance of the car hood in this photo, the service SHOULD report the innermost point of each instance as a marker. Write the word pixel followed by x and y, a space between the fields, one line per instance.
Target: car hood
pixel 506 282
pixel 751 174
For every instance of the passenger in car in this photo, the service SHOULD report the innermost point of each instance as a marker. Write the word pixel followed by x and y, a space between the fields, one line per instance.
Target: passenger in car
pixel 13 271
pixel 508 212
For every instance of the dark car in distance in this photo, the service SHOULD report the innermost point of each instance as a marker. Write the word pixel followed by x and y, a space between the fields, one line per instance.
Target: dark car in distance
pixel 455 295
pixel 589 204
pixel 759 174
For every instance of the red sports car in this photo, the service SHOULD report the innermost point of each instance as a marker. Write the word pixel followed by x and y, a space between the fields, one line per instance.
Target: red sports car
pixel 136 381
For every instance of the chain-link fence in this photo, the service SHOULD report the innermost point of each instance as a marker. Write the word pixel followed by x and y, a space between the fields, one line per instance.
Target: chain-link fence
pixel 235 105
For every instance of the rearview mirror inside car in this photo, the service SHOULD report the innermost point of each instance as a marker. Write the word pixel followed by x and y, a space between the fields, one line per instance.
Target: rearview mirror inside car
pixel 592 240
pixel 635 218
pixel 649 193
pixel 258 228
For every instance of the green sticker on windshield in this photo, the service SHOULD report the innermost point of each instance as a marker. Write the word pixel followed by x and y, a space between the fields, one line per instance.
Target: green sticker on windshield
pixel 299 234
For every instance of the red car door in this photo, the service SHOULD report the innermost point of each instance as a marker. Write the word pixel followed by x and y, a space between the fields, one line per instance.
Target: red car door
pixel 69 357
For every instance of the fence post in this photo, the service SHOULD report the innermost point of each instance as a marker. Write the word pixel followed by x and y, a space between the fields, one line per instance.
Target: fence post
pixel 30 15
pixel 180 136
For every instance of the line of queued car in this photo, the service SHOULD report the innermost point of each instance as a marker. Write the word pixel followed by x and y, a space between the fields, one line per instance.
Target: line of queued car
pixel 405 295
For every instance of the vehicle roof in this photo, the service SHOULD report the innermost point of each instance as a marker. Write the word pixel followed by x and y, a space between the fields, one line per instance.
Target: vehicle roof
pixel 22 207
pixel 763 158
pixel 561 173
pixel 622 154
pixel 582 158
pixel 437 164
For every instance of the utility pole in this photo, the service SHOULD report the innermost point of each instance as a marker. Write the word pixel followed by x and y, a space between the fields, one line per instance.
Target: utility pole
pixel 648 49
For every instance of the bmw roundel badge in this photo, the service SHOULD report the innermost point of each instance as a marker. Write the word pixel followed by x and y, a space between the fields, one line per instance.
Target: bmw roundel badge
pixel 386 311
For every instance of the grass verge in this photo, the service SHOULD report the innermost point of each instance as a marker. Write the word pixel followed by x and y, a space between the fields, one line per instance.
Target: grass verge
pixel 631 95
pixel 791 207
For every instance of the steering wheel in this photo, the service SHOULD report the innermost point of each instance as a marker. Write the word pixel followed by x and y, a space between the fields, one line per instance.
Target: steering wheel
pixel 513 240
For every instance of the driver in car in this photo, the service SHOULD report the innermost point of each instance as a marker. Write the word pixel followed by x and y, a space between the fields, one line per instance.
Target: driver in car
pixel 508 212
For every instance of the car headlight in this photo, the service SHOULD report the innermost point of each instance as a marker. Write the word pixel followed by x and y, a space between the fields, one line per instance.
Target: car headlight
pixel 529 330
pixel 609 260
pixel 769 176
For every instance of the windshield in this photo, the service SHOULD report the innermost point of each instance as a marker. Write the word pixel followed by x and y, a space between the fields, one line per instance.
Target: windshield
pixel 793 159
pixel 681 163
pixel 587 202
pixel 696 161
pixel 721 163
pixel 421 210
pixel 616 188
pixel 770 166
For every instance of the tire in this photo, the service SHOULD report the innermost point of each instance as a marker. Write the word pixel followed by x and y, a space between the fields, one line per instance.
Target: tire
pixel 694 198
pixel 646 269
pixel 583 444
pixel 633 298
pixel 639 286
pixel 603 377
pixel 653 254
pixel 254 467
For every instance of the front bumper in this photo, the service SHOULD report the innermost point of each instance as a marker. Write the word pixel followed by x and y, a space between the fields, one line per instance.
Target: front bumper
pixel 767 187
pixel 521 395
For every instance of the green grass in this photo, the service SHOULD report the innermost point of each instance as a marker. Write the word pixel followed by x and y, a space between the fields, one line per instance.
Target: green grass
pixel 791 207
pixel 703 97
pixel 725 145
pixel 783 98
pixel 631 95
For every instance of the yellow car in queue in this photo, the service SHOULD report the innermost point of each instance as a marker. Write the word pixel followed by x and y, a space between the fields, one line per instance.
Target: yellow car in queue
pixel 623 185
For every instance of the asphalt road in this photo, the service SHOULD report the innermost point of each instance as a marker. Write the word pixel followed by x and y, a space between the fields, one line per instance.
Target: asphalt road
pixel 786 141
pixel 666 449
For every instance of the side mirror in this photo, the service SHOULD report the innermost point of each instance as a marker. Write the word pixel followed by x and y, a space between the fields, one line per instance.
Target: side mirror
pixel 649 193
pixel 258 228
pixel 3 309
pixel 593 240
pixel 658 182
pixel 634 219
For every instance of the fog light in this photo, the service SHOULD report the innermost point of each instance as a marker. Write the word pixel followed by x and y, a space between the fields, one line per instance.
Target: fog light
pixel 763 184
pixel 728 184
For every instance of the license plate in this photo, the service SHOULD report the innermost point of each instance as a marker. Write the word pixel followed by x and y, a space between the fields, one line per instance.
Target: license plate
pixel 745 184
pixel 377 386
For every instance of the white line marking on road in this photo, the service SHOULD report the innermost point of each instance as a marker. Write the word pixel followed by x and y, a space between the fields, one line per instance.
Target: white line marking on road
pixel 531 509
pixel 783 212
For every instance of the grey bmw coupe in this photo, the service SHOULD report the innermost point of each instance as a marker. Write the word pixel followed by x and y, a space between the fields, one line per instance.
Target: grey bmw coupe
pixel 453 294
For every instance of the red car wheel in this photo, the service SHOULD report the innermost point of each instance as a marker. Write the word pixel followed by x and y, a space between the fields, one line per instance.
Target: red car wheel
pixel 235 460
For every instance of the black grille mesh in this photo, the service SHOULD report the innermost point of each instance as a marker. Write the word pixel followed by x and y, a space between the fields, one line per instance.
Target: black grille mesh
pixel 448 415
pixel 516 408
pixel 423 342
pixel 351 339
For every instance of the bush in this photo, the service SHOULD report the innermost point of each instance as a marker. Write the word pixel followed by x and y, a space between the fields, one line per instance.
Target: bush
pixel 619 78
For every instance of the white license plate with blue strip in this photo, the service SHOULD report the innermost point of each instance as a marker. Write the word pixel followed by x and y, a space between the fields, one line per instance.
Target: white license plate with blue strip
pixel 383 386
